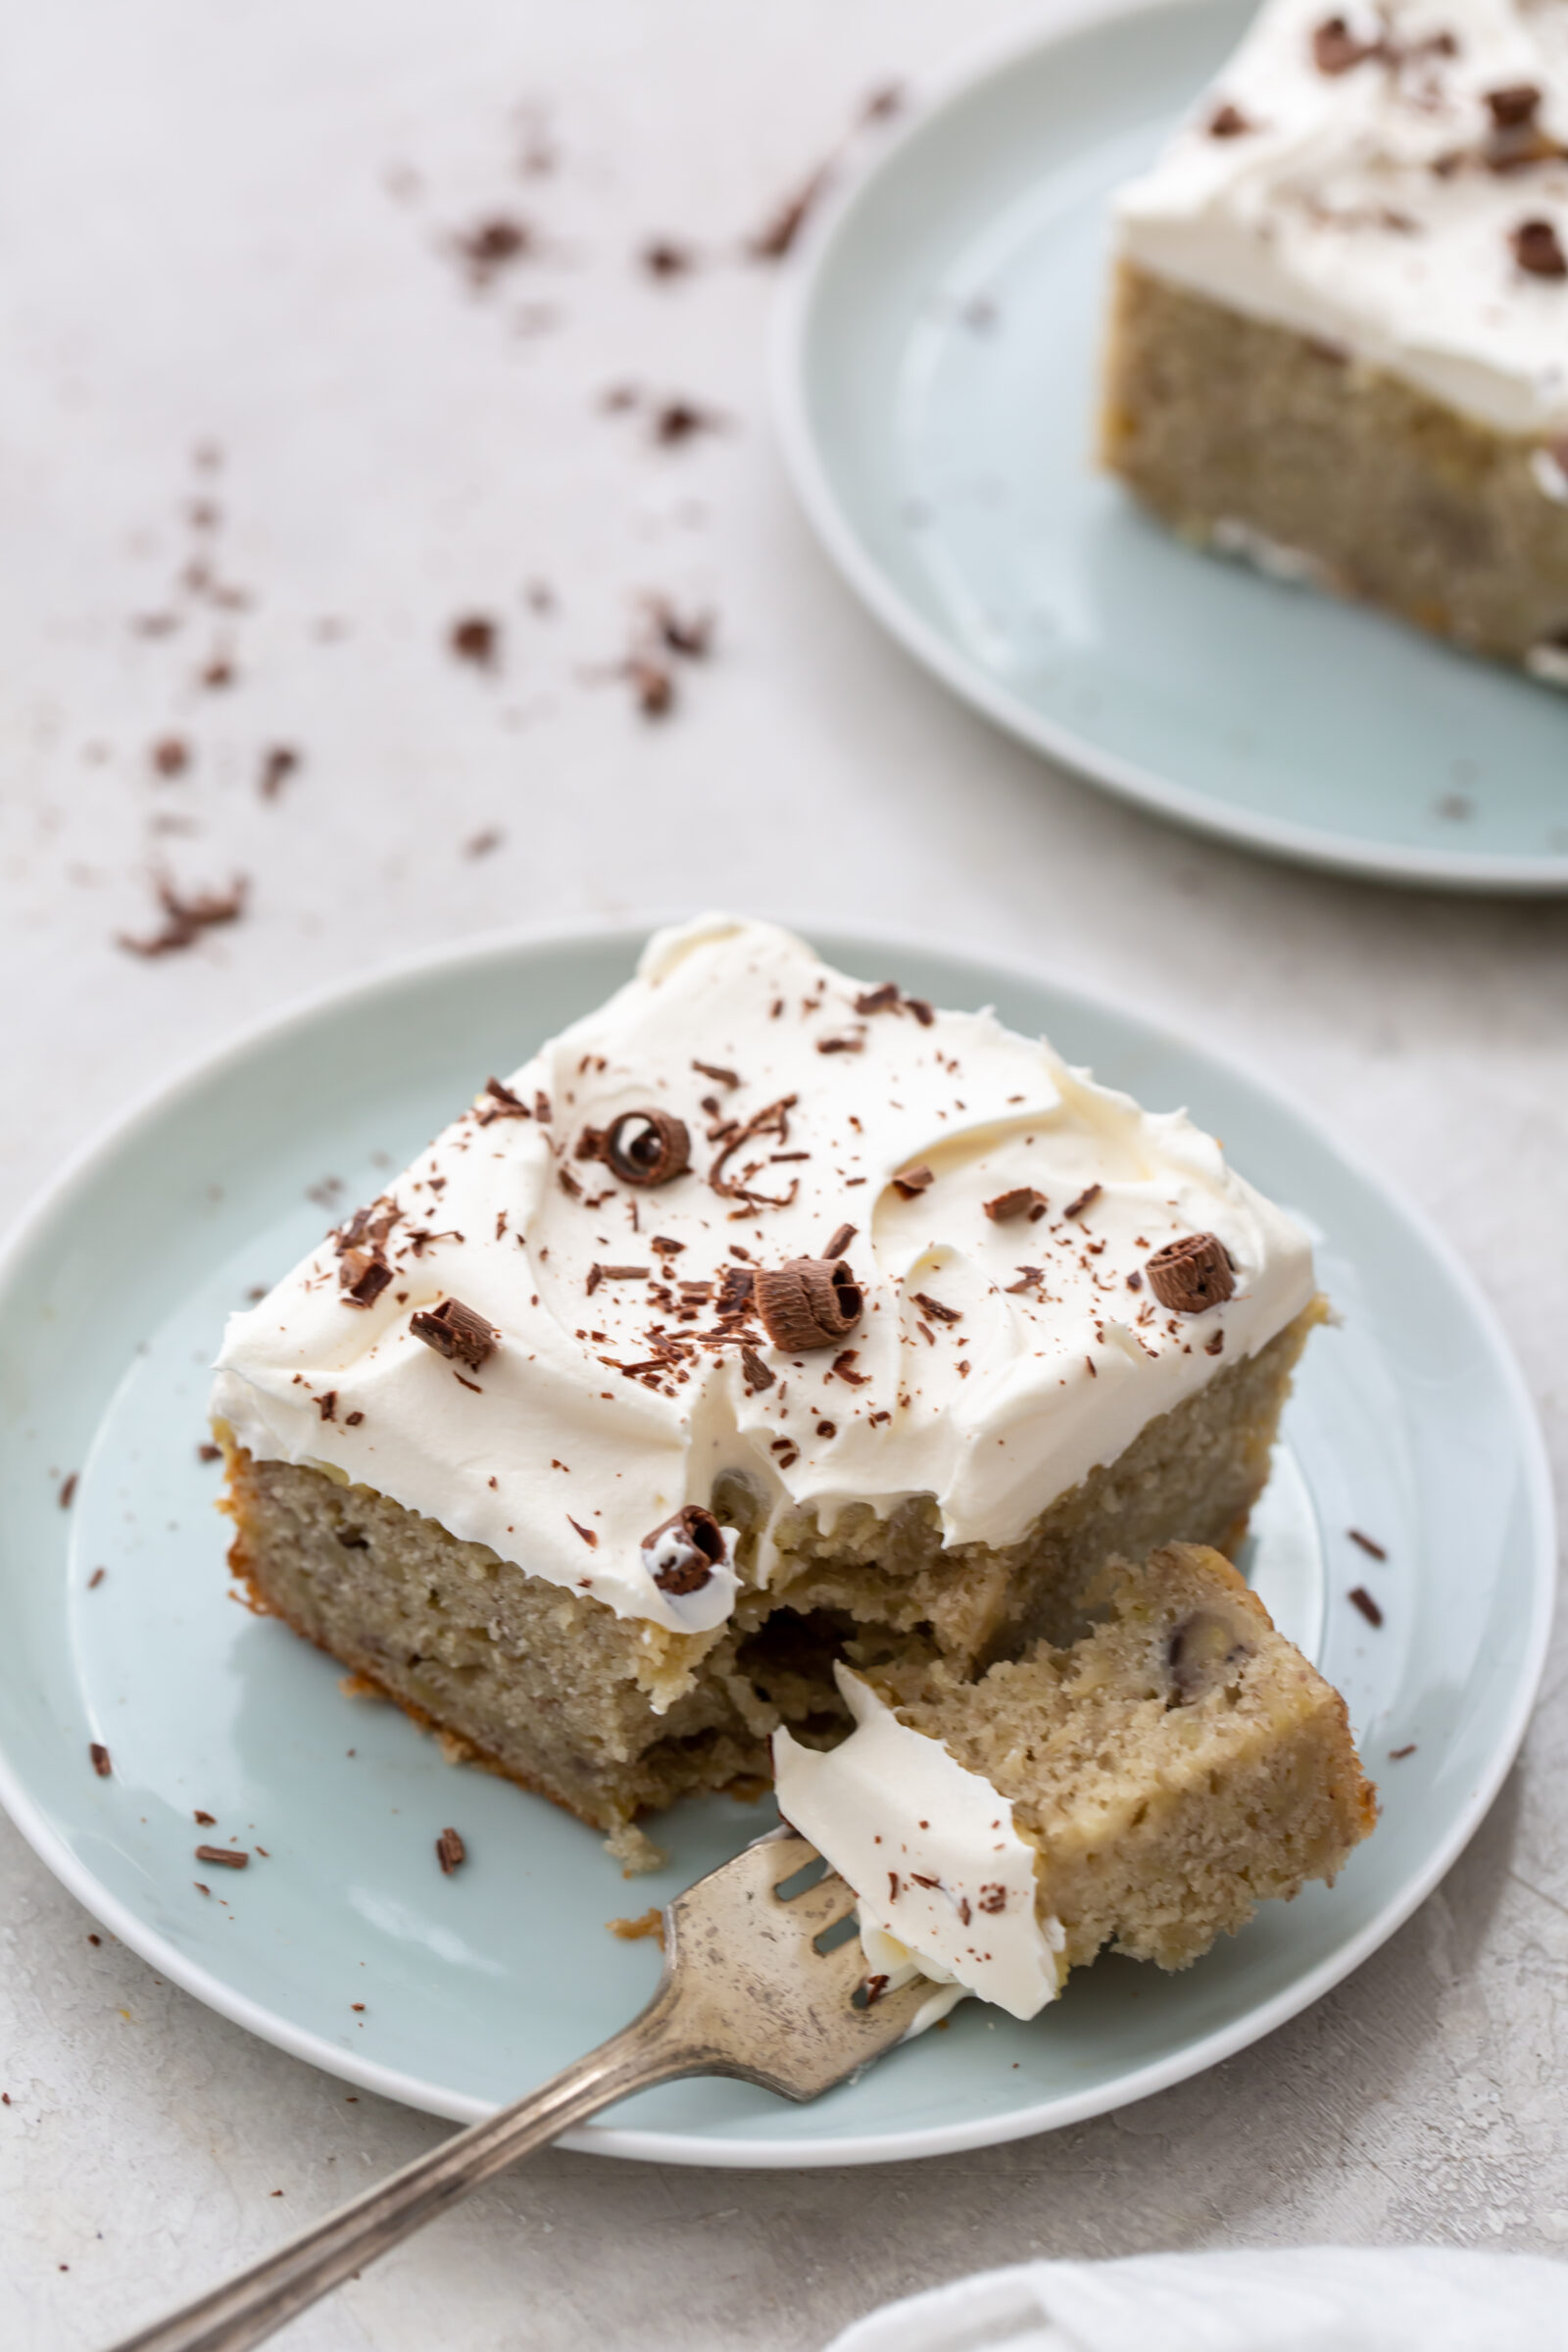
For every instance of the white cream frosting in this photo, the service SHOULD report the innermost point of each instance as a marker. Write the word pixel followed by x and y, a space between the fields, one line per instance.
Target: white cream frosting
pixel 611 1400
pixel 1366 209
pixel 943 1879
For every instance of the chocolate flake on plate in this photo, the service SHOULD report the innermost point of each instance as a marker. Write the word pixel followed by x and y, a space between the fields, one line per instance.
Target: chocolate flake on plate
pixel 100 1759
pixel 449 1852
pixel 1360 1598
pixel 230 1857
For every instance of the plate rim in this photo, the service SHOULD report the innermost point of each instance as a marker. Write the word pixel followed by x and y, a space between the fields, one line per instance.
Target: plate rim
pixel 790 336
pixel 761 2153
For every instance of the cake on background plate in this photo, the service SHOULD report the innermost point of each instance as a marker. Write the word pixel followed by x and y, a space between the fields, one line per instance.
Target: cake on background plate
pixel 1338 341
pixel 766 1319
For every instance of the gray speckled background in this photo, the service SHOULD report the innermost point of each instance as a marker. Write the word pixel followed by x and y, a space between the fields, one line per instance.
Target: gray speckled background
pixel 232 224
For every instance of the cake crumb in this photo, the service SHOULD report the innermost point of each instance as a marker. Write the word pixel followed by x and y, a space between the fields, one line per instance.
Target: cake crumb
pixel 632 1931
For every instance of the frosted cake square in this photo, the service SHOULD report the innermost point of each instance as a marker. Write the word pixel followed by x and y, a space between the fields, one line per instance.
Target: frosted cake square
pixel 1339 342
pixel 767 1318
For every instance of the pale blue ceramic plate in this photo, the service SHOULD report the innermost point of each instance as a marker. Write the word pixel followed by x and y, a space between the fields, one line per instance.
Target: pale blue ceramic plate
pixel 935 366
pixel 1409 1422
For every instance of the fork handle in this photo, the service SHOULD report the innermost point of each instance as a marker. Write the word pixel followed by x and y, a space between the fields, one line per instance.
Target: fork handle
pixel 652 2050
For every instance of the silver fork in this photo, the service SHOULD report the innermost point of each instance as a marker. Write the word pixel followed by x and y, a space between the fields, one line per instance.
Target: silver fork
pixel 746 1991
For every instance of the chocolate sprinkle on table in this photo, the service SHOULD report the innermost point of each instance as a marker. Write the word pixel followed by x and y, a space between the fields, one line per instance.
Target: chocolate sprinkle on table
pixel 1360 1598
pixel 449 1852
pixel 474 638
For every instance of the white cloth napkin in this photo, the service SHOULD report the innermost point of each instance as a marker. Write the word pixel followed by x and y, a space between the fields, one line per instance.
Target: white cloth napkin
pixel 1293 2299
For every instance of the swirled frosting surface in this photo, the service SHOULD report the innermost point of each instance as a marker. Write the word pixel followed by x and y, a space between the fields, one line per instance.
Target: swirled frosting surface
pixel 997 1360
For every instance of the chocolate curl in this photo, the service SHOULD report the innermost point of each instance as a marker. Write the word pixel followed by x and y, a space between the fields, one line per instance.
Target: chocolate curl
pixel 1190 1274
pixel 697 1550
pixel 807 1302
pixel 646 1147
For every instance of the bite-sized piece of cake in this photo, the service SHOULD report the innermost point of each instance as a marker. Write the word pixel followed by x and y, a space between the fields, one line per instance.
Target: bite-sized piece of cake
pixel 1339 344
pixel 1145 1789
pixel 764 1315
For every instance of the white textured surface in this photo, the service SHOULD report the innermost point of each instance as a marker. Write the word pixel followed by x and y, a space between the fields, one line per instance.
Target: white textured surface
pixel 198 241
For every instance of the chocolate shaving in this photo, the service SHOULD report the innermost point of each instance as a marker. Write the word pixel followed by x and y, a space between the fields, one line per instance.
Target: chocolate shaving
pixel 720 1075
pixel 1537 250
pixel 1336 49
pixel 663 257
pixel 362 1277
pixel 1360 1598
pixel 1397 1755
pixel 226 1855
pixel 186 918
pixel 697 1544
pixel 278 765
pixel 449 1852
pixel 771 1119
pixel 474 638
pixel 934 1307
pixel 1512 107
pixel 1228 121
pixel 327 1404
pixel 1190 1274
pixel 1022 1202
pixel 756 1374
pixel 587 1534
pixel 806 1303
pixel 454 1332
pixel 992 1898
pixel 1086 1200
pixel 910 1182
pixel 840 1241
pixel 657 1154
pixel 67 1490
pixel 491 246
pixel 847 1042
pixel 882 999
pixel 501 1104
pixel 1366 1544
pixel 100 1759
